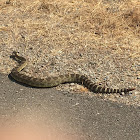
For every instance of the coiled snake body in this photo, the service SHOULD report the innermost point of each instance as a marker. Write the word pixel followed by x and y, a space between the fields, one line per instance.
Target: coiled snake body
pixel 54 81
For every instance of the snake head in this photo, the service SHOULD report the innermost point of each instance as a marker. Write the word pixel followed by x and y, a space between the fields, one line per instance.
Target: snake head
pixel 15 56
pixel 15 53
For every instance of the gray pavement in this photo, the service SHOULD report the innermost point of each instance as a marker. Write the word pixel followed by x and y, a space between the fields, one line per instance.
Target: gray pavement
pixel 89 118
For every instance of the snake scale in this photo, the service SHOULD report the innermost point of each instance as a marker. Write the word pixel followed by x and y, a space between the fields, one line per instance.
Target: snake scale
pixel 54 81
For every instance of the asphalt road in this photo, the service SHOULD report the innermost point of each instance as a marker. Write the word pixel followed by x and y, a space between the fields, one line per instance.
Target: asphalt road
pixel 88 118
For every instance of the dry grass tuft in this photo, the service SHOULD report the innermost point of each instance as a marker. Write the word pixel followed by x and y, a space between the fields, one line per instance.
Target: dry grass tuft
pixel 114 23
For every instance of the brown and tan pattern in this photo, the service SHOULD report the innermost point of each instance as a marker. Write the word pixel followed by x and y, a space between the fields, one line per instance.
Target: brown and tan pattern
pixel 55 81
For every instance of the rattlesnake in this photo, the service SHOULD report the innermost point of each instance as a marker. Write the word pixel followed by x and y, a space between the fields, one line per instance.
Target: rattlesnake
pixel 54 81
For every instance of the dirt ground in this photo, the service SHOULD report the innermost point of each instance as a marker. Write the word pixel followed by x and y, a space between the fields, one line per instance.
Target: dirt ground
pixel 96 38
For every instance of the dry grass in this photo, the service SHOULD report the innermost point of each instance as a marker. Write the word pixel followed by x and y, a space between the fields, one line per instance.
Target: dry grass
pixel 106 23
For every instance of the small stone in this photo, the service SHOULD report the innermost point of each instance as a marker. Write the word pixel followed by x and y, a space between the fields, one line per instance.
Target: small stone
pixel 72 84
pixel 137 93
